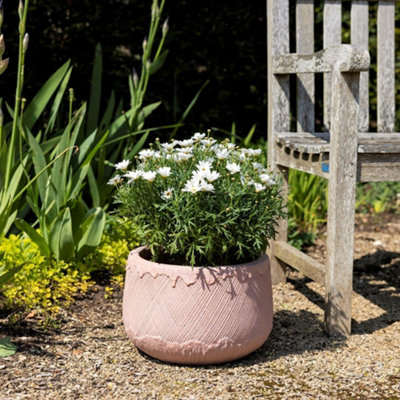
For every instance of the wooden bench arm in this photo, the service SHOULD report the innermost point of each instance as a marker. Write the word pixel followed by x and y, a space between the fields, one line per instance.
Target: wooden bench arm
pixel 341 58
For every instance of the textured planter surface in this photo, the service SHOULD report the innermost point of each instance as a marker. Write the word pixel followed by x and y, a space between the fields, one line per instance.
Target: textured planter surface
pixel 197 315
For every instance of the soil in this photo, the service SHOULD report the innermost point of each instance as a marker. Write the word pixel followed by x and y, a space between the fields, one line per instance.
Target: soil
pixel 90 357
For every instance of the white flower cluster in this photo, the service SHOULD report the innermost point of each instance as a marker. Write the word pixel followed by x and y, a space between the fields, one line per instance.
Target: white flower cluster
pixel 201 152
pixel 202 178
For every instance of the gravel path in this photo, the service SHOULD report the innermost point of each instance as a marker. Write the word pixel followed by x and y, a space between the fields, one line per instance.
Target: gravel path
pixel 91 358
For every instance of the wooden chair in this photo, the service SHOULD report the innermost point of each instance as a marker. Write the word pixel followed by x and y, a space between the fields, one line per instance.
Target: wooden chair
pixel 346 152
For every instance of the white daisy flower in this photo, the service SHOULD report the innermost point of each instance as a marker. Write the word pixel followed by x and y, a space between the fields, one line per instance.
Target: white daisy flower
pixel 146 154
pixel 133 175
pixel 206 187
pixel 192 186
pixel 258 166
pixel 182 156
pixel 242 156
pixel 198 175
pixel 204 165
pixel 265 178
pixel 254 152
pixel 186 150
pixel 211 176
pixel 186 143
pixel 168 146
pixel 117 179
pixel 231 146
pixel 167 194
pixel 232 167
pixel 165 172
pixel 198 136
pixel 123 165
pixel 208 142
pixel 222 154
pixel 258 187
pixel 149 176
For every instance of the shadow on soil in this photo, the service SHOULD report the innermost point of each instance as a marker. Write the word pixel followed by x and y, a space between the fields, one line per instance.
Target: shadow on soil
pixel 376 278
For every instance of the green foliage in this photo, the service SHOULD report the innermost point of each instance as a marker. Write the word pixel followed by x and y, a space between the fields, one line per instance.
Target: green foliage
pixel 119 238
pixel 6 347
pixel 308 202
pixel 378 197
pixel 201 203
pixel 42 284
pixel 68 228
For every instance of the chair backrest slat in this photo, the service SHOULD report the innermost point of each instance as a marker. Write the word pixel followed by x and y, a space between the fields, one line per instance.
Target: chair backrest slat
pixel 360 37
pixel 386 71
pixel 305 82
pixel 278 86
pixel 332 34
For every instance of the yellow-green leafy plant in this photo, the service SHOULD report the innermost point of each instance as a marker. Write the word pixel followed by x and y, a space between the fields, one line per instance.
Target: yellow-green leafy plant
pixel 41 284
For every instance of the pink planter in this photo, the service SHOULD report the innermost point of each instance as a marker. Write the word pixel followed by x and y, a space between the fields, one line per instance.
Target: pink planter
pixel 197 315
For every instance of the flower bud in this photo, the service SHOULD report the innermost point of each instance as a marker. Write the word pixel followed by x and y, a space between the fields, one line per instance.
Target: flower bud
pixel 71 95
pixel 2 45
pixel 165 27
pixel 135 78
pixel 144 44
pixel 20 10
pixel 3 65
pixel 25 42
pixel 155 10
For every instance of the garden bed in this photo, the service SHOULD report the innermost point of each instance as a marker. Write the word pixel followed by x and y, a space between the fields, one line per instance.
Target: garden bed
pixel 90 357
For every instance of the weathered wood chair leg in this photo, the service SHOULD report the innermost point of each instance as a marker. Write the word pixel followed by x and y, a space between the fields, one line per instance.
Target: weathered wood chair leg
pixel 278 267
pixel 341 204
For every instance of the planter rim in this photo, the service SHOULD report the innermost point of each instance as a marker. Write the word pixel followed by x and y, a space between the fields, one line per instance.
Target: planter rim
pixel 190 275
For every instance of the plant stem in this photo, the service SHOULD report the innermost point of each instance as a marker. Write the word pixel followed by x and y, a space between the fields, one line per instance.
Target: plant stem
pixel 18 92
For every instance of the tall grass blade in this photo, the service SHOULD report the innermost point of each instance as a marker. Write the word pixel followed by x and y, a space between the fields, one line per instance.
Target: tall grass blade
pixel 95 91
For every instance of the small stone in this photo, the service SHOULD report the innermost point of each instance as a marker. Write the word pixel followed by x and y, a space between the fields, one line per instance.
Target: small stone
pixel 377 243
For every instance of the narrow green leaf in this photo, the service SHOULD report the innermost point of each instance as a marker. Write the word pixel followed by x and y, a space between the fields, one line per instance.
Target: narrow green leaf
pixel 39 162
pixel 189 108
pixel 39 102
pixel 57 101
pixel 92 228
pixel 61 237
pixel 94 190
pixel 138 146
pixel 156 65
pixel 34 236
pixel 108 114
pixel 249 136
pixel 95 91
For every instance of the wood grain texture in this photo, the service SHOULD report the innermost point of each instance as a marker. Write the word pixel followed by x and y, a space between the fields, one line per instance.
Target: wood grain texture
pixel 332 35
pixel 300 261
pixel 342 57
pixel 342 190
pixel 305 82
pixel 278 105
pixel 385 73
pixel 359 37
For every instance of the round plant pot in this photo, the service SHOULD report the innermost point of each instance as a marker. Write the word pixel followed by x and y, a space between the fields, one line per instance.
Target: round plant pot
pixel 199 315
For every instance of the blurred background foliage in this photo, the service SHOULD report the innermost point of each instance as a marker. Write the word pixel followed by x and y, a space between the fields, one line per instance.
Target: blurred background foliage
pixel 221 42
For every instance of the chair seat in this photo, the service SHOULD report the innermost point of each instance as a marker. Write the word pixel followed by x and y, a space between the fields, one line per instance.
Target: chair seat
pixel 317 143
pixel 378 154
